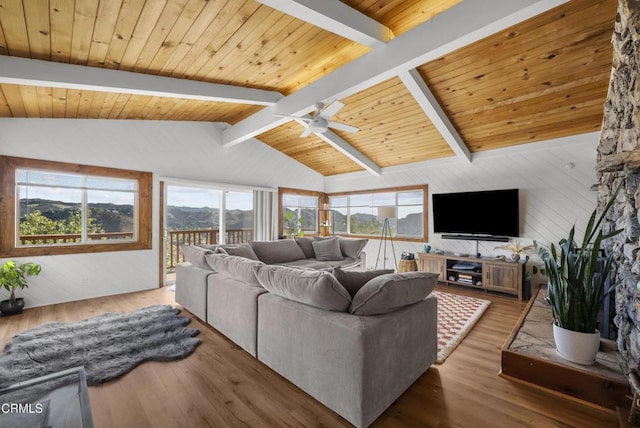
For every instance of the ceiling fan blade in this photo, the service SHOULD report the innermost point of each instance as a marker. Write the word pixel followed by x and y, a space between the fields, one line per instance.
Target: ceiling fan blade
pixel 331 109
pixel 343 127
pixel 306 132
pixel 305 119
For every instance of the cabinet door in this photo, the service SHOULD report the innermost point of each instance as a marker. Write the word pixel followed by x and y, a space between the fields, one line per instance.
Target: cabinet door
pixel 433 264
pixel 503 277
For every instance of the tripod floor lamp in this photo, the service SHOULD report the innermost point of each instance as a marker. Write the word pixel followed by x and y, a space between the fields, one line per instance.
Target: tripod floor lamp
pixel 386 213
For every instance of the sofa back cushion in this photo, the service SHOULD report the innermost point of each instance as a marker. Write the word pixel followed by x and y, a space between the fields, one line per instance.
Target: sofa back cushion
pixel 390 292
pixel 240 250
pixel 311 287
pixel 327 249
pixel 353 281
pixel 196 256
pixel 283 250
pixel 306 245
pixel 236 267
pixel 352 247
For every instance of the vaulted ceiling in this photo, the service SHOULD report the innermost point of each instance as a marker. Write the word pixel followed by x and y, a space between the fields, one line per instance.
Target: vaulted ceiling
pixel 421 79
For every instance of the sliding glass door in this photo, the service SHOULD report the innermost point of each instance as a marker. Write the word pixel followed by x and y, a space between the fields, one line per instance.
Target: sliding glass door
pixel 203 216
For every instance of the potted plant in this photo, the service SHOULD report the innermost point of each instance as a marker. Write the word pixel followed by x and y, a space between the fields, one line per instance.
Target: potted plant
pixel 293 225
pixel 577 277
pixel 12 276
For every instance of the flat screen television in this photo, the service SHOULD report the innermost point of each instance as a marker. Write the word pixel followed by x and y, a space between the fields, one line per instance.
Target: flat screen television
pixel 473 215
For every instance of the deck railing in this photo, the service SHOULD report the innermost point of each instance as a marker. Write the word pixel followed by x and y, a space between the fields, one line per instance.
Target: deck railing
pixel 71 238
pixel 178 238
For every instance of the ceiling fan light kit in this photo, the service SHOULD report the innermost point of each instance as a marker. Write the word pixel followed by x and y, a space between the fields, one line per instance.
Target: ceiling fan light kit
pixel 319 121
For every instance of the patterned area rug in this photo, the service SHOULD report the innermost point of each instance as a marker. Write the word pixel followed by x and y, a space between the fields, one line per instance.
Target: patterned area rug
pixel 456 317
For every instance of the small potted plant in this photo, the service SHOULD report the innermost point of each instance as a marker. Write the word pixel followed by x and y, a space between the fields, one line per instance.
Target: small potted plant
pixel 576 289
pixel 12 276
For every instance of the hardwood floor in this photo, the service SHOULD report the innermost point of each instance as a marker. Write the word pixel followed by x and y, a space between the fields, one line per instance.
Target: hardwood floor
pixel 220 385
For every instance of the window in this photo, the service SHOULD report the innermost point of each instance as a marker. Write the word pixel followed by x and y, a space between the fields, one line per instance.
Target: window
pixel 238 216
pixel 298 211
pixel 357 213
pixel 59 208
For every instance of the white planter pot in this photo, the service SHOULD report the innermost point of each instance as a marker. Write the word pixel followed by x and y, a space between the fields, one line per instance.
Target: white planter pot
pixel 579 348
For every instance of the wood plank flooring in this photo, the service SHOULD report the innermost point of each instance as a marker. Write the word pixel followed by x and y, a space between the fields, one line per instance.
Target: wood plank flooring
pixel 220 385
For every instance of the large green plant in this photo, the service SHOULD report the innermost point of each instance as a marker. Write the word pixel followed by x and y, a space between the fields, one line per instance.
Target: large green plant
pixel 13 275
pixel 576 288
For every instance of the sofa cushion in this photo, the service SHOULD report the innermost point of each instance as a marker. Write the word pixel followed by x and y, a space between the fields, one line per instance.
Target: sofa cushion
pixel 353 281
pixel 352 247
pixel 240 250
pixel 308 264
pixel 327 249
pixel 390 292
pixel 283 250
pixel 196 256
pixel 306 245
pixel 311 287
pixel 236 267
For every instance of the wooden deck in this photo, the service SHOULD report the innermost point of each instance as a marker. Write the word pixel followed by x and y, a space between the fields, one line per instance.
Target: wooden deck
pixel 220 385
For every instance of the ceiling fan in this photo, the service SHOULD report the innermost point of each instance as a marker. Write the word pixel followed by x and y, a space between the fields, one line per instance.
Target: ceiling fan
pixel 319 121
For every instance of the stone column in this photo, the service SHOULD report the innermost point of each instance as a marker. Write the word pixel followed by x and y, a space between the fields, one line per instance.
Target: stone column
pixel 619 160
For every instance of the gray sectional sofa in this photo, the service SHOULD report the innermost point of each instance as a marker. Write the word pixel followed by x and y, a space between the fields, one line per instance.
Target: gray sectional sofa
pixel 354 340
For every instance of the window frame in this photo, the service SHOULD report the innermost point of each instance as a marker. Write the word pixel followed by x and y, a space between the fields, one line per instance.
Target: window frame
pixel 322 197
pixel 9 212
pixel 425 208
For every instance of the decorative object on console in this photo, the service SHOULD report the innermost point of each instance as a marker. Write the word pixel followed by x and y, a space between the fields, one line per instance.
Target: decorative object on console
pixel 386 213
pixel 12 276
pixel 578 278
pixel 517 250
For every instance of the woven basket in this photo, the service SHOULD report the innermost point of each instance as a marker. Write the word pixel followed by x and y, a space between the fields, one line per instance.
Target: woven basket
pixel 407 266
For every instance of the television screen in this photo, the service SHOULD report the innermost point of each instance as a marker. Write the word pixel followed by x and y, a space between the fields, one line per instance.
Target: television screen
pixel 492 213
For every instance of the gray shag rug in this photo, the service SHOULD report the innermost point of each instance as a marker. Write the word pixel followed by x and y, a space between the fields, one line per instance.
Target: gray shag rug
pixel 108 345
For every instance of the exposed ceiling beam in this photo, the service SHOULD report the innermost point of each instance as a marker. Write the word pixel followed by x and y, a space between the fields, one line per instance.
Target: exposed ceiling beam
pixel 465 23
pixel 336 17
pixel 33 72
pixel 346 149
pixel 429 104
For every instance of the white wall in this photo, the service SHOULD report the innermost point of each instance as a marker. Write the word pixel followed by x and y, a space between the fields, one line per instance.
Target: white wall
pixel 188 150
pixel 552 197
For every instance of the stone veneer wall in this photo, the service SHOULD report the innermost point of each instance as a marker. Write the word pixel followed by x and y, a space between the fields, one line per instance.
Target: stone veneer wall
pixel 619 160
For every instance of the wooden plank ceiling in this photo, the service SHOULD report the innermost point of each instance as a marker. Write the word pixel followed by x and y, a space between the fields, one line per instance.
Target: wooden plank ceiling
pixel 543 78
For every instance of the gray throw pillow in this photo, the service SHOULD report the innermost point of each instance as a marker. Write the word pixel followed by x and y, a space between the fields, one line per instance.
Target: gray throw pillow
pixel 353 281
pixel 283 250
pixel 388 293
pixel 240 250
pixel 327 249
pixel 352 247
pixel 236 267
pixel 306 245
pixel 311 287
pixel 196 256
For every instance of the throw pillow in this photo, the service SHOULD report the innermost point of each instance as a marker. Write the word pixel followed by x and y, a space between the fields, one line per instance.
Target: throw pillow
pixel 306 245
pixel 352 247
pixel 388 293
pixel 196 256
pixel 353 281
pixel 240 250
pixel 236 267
pixel 281 251
pixel 311 287
pixel 327 249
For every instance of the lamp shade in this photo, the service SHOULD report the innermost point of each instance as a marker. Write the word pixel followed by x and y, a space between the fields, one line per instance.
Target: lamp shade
pixel 387 212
